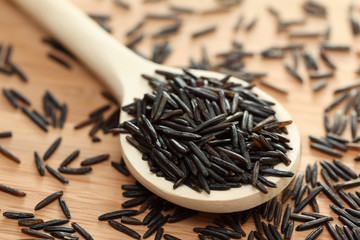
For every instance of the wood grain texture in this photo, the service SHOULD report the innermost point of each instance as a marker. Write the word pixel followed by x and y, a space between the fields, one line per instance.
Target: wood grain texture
pixel 100 192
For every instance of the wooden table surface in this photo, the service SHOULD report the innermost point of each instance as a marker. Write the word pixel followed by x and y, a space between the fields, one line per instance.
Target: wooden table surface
pixel 92 195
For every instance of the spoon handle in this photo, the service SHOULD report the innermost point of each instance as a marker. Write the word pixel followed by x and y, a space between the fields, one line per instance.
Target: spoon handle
pixel 100 52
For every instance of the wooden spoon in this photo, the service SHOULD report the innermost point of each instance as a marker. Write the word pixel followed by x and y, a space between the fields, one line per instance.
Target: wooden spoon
pixel 120 69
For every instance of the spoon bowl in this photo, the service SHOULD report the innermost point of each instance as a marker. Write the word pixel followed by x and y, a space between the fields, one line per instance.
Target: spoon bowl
pixel 120 69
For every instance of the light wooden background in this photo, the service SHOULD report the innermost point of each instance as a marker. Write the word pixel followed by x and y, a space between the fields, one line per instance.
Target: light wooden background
pixel 99 192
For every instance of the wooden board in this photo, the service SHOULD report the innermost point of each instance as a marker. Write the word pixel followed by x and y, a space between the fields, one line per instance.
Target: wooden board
pixel 90 196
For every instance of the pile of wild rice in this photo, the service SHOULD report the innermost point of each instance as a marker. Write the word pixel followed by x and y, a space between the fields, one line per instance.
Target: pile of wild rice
pixel 207 133
pixel 217 134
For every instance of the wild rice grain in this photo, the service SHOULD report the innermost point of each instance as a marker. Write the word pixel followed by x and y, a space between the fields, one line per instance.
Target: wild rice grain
pixel 86 122
pixel 313 223
pixel 9 154
pixel 301 218
pixel 348 233
pixel 20 96
pixel 57 175
pixel 117 214
pixel 81 231
pixel 326 150
pixel 52 148
pixel 79 171
pixel 17 215
pixel 289 230
pixel 34 118
pixel 64 207
pixel 315 233
pixel 63 114
pixel 118 226
pixel 54 222
pixel 64 235
pixel 170 237
pixel 39 164
pixel 157 225
pixel 297 185
pixel 278 214
pixel 59 229
pixel 94 160
pixel 36 233
pixel 12 191
pixel 285 219
pixel 28 222
pixel 272 209
pixel 331 194
pixel 5 134
pixel 49 199
pixel 345 168
pixel 70 158
pixel 347 184
pixel 319 85
pixel 332 231
pixel 204 31
pixel 59 60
